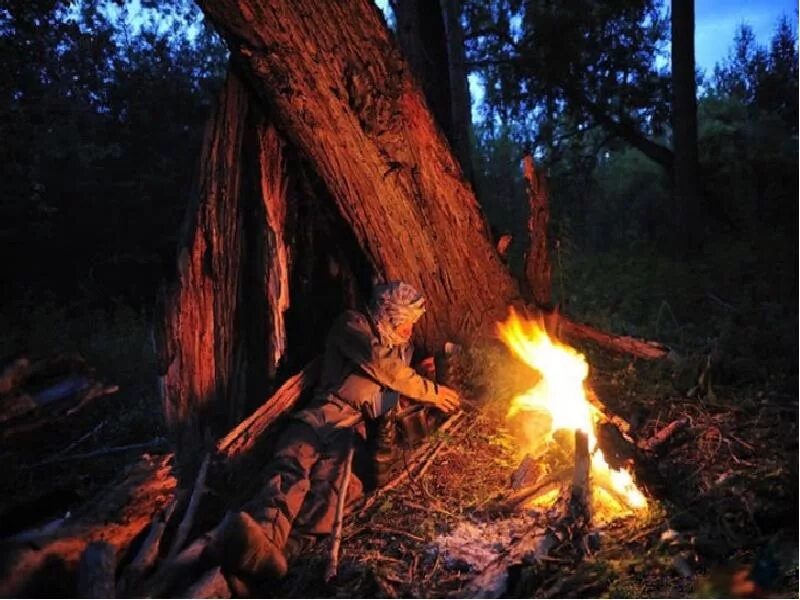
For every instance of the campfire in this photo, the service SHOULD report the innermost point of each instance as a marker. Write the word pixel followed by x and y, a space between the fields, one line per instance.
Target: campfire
pixel 553 412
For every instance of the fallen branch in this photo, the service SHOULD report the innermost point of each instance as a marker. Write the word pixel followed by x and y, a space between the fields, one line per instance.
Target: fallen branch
pixel 663 435
pixel 336 535
pixel 154 444
pixel 147 555
pixel 618 343
pixel 518 497
pixel 118 515
pixel 244 436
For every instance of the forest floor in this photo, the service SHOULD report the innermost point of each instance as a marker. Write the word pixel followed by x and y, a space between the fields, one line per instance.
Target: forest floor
pixel 723 513
pixel 721 521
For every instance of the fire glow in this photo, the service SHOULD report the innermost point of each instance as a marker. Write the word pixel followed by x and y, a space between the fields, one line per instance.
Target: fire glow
pixel 560 396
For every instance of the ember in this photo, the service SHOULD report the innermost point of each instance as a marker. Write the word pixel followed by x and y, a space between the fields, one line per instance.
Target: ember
pixel 558 402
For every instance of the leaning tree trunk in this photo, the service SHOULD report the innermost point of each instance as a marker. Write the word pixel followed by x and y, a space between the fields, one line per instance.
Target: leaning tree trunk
pixel 340 91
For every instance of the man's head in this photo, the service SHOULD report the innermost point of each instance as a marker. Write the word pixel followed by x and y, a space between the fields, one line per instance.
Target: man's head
pixel 395 307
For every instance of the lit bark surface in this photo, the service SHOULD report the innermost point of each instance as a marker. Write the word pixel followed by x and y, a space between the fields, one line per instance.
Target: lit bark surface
pixel 197 348
pixel 343 96
pixel 537 259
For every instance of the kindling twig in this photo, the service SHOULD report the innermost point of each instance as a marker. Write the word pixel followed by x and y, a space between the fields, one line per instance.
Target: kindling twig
pixel 336 535
pixel 422 456
pixel 191 510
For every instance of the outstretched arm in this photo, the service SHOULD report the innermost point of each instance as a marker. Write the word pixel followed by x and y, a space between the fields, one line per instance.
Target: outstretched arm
pixel 359 345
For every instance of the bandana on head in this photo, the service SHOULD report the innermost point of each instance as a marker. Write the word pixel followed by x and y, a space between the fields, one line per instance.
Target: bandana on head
pixel 393 304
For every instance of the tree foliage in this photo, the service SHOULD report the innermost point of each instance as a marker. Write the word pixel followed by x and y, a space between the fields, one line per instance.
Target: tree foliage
pixel 102 109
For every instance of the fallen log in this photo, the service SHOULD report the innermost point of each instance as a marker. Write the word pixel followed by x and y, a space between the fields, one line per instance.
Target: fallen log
pixel 117 516
pixel 618 343
pixel 147 555
pixel 26 413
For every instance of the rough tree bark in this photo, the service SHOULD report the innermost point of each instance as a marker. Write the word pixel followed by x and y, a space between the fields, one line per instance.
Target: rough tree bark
pixel 343 95
pixel 199 347
pixel 422 38
pixel 537 259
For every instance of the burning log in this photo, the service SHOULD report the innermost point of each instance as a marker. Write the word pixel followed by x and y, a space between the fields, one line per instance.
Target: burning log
pixel 581 494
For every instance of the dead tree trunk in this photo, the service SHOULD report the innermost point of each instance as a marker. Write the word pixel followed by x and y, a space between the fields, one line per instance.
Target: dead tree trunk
pixel 255 237
pixel 199 346
pixel 537 258
pixel 343 95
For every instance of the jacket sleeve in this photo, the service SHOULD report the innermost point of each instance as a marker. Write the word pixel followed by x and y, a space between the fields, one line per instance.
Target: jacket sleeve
pixel 356 341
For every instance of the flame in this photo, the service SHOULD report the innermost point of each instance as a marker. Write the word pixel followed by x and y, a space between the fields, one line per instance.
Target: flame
pixel 560 395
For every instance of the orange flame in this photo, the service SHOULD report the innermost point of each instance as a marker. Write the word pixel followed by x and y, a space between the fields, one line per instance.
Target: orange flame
pixel 561 395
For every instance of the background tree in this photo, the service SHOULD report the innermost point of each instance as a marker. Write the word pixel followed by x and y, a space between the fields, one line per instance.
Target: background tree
pixel 684 126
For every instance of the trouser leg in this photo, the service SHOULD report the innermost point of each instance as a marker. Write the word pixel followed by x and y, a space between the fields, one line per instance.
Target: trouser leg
pixel 327 481
pixel 288 483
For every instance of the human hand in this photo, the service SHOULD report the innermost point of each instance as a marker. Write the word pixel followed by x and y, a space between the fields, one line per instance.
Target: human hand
pixel 447 399
pixel 427 367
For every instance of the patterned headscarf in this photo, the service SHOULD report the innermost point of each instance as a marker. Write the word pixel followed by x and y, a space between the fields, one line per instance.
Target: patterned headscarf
pixel 393 304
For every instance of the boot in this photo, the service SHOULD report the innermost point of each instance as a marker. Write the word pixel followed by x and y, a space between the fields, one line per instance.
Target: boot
pixel 387 450
pixel 241 545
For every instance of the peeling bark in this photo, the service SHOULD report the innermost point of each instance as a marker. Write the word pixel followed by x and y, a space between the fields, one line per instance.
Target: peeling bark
pixel 344 97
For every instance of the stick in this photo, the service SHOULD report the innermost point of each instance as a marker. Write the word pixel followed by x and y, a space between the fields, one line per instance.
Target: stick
pixel 154 443
pixel 581 491
pixel 336 540
pixel 148 553
pixel 188 518
pixel 663 435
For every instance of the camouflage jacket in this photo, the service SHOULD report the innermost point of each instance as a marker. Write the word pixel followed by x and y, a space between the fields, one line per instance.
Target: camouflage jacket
pixel 361 376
